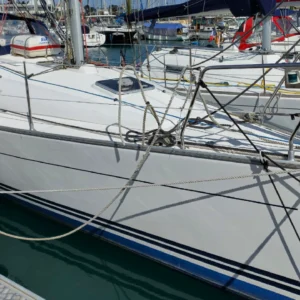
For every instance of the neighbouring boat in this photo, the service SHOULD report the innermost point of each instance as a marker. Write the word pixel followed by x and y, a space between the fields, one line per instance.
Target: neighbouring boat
pixel 165 31
pixel 203 26
pixel 284 32
pixel 229 79
pixel 12 27
pixel 92 38
pixel 140 167
pixel 114 32
pixel 164 66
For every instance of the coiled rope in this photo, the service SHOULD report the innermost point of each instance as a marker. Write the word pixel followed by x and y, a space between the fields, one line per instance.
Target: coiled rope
pixel 128 67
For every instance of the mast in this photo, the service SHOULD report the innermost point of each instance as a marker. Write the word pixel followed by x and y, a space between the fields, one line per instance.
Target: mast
pixel 128 7
pixel 76 34
pixel 266 38
pixel 128 11
pixel 35 6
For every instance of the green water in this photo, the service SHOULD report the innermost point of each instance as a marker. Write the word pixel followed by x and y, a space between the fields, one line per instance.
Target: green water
pixel 134 54
pixel 83 267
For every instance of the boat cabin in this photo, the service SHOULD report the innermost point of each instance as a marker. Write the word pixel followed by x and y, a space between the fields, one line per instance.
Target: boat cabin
pixel 33 36
pixel 165 29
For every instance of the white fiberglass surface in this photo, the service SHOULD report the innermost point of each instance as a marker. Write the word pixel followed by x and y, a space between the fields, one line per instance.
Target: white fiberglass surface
pixel 72 97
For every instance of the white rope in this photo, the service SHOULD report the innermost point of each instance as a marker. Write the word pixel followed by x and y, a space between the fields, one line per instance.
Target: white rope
pixel 211 116
pixel 149 185
pixel 188 94
pixel 128 67
pixel 152 111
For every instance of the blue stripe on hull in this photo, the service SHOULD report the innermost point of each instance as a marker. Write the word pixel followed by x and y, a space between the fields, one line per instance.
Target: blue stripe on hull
pixel 200 272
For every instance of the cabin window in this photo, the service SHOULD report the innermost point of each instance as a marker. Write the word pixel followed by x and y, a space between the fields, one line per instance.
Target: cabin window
pixel 39 28
pixel 11 28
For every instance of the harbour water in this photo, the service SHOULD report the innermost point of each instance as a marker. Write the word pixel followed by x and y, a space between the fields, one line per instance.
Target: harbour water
pixel 133 54
pixel 80 266
pixel 83 267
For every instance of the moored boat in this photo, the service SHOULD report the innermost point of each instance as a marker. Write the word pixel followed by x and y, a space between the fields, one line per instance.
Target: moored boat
pixel 164 31
pixel 127 160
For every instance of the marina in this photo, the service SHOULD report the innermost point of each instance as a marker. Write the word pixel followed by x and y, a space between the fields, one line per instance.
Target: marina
pixel 176 150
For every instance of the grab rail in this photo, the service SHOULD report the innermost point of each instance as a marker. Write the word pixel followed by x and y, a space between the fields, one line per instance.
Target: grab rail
pixel 291 153
pixel 250 66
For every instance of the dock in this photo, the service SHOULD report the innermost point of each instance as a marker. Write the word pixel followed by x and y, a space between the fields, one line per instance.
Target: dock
pixel 10 290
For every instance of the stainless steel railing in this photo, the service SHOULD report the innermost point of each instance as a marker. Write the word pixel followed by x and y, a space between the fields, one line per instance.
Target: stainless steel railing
pixel 246 66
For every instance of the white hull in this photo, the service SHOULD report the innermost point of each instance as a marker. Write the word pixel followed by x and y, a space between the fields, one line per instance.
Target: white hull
pixel 113 34
pixel 201 35
pixel 165 37
pixel 93 39
pixel 278 47
pixel 227 242
pixel 231 232
pixel 284 46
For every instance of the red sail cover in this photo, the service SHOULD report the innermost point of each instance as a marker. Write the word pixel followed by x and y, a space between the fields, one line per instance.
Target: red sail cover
pixel 282 28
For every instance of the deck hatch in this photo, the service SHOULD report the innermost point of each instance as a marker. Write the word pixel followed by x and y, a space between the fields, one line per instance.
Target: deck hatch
pixel 130 85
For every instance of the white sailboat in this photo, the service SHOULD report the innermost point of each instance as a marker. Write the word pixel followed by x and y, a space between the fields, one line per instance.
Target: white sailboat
pixel 228 79
pixel 133 164
pixel 114 33
pixel 165 31
pixel 92 38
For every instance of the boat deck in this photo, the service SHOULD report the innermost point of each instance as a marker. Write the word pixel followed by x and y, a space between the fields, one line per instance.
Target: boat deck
pixel 13 291
pixel 80 109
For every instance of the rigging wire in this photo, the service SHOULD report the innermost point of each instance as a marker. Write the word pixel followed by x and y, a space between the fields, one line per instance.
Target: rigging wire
pixel 253 84
pixel 264 162
pixel 124 190
pixel 145 157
